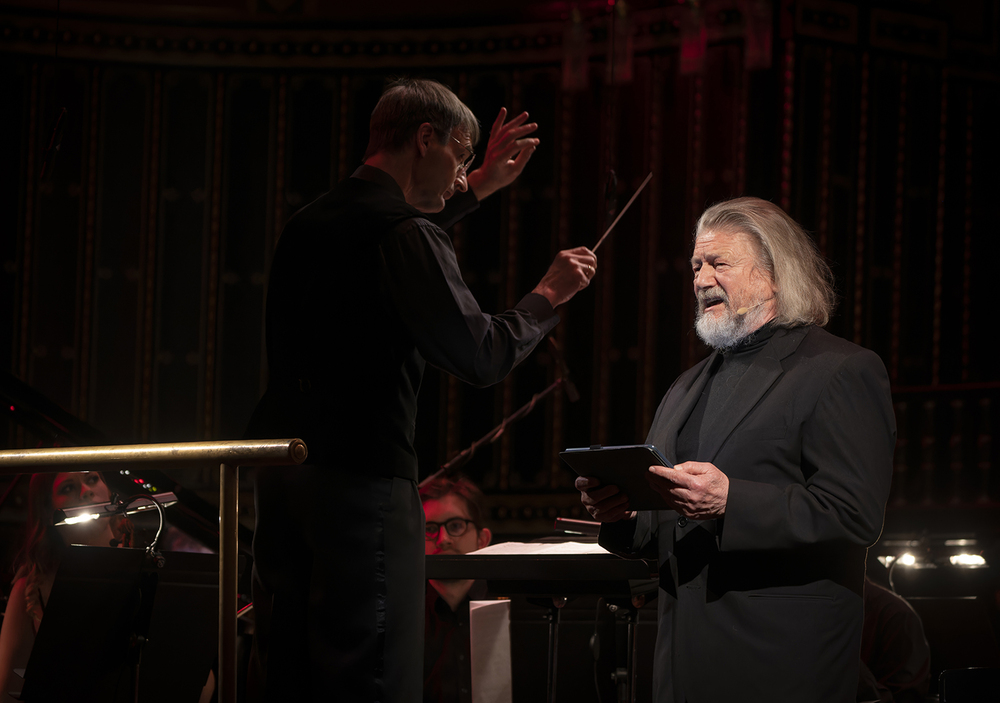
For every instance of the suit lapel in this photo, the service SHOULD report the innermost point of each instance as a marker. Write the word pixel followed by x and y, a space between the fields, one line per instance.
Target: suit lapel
pixel 763 372
pixel 679 414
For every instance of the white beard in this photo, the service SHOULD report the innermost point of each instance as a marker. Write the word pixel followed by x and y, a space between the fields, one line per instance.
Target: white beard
pixel 725 331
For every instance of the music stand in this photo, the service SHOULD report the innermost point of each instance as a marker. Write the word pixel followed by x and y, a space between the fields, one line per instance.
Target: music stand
pixel 118 628
pixel 548 577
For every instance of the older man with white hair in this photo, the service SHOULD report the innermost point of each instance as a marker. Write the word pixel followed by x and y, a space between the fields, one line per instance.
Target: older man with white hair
pixel 781 443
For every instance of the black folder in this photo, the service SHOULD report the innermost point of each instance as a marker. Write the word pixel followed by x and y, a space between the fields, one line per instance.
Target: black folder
pixel 626 467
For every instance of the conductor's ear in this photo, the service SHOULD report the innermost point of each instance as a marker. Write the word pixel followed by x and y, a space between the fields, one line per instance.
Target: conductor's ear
pixel 423 137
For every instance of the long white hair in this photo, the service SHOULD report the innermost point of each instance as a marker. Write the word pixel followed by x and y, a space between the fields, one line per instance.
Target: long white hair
pixel 784 251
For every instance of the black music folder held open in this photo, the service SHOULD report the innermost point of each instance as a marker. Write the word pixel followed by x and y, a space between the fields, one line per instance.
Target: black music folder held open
pixel 626 467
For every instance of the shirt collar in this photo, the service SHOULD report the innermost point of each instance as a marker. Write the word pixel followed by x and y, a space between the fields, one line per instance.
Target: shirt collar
pixel 755 340
pixel 379 177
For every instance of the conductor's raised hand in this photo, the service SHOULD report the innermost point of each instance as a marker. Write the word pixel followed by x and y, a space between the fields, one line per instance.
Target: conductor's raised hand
pixel 695 489
pixel 604 503
pixel 507 152
pixel 569 274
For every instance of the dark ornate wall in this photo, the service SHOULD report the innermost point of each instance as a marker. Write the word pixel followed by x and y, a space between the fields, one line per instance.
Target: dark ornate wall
pixel 134 269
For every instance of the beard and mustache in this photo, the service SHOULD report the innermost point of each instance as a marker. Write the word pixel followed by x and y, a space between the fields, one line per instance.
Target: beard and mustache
pixel 724 331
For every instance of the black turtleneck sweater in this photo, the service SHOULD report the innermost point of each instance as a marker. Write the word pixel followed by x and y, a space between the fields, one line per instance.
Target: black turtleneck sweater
pixel 728 368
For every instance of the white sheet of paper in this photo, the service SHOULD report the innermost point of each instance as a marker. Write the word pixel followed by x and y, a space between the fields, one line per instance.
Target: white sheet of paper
pixel 489 634
pixel 542 548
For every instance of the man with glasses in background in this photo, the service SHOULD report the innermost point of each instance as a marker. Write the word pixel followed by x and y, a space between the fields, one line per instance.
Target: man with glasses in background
pixel 453 508
pixel 364 291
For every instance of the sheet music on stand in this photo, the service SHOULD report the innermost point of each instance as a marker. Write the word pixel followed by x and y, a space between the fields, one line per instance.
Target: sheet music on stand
pixel 552 573
pixel 547 569
pixel 541 548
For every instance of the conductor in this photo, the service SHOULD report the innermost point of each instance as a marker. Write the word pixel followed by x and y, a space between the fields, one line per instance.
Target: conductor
pixel 365 290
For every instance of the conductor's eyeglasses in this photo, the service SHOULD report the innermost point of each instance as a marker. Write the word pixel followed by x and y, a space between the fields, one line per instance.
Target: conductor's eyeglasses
pixel 455 527
pixel 468 159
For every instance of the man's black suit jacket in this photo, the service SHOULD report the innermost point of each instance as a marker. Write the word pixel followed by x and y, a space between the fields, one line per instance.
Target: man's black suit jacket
pixel 765 604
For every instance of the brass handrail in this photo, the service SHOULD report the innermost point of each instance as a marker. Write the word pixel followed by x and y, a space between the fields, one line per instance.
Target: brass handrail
pixel 175 455
pixel 229 455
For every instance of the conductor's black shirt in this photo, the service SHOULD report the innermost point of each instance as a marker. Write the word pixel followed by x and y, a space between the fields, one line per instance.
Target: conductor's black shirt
pixel 364 290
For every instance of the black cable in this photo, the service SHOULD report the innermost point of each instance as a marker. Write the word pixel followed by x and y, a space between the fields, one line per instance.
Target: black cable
pixel 595 648
pixel 892 567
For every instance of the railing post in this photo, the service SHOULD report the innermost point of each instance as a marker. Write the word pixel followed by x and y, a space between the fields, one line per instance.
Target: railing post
pixel 229 480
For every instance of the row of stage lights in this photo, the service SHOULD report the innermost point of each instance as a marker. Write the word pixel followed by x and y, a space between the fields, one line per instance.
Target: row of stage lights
pixel 959 557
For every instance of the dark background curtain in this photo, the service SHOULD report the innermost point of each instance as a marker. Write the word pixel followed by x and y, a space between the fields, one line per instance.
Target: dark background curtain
pixel 134 271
